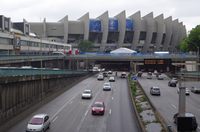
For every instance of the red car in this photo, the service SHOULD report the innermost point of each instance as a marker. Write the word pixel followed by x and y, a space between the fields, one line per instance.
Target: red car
pixel 98 108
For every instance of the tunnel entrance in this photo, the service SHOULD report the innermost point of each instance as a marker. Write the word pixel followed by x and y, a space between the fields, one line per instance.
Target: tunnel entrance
pixel 115 65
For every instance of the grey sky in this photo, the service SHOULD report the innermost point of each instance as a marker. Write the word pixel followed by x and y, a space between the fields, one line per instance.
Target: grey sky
pixel 187 11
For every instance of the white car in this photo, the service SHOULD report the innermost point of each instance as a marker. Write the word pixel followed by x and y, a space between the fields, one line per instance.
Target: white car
pixel 187 91
pixel 87 94
pixel 38 123
pixel 109 72
pixel 160 77
pixel 107 86
pixel 100 77
pixel 111 79
pixel 195 89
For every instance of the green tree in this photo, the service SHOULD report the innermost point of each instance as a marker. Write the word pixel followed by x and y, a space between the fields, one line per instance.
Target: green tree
pixel 194 39
pixel 184 45
pixel 85 46
pixel 192 42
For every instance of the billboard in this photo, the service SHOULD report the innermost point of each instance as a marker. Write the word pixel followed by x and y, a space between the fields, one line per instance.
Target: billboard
pixel 129 25
pixel 113 25
pixel 95 25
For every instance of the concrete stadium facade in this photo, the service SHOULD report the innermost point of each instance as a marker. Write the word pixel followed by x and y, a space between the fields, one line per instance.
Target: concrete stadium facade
pixel 144 34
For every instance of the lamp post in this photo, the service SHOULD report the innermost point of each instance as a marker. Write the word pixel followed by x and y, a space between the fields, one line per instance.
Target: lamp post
pixel 198 62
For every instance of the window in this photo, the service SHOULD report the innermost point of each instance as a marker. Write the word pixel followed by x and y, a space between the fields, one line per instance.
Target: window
pixel 153 39
pixel 142 35
pixel 46 118
pixel 6 41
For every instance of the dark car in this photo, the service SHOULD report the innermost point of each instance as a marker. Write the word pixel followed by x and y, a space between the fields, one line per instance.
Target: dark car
pixel 172 83
pixel 98 108
pixel 194 121
pixel 105 74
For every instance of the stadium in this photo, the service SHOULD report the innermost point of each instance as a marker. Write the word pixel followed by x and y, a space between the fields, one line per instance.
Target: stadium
pixel 144 34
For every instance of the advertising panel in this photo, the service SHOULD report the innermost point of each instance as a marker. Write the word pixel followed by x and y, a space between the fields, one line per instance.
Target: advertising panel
pixel 129 25
pixel 113 25
pixel 95 25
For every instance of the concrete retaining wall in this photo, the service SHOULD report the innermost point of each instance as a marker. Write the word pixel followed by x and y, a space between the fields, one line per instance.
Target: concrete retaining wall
pixel 18 94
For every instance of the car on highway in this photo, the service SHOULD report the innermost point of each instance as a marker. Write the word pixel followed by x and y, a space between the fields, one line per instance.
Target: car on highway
pixel 172 83
pixel 175 79
pixel 149 76
pixel 193 120
pixel 155 90
pixel 98 108
pixel 38 123
pixel 111 79
pixel 195 89
pixel 87 94
pixel 123 75
pixel 110 72
pixel 100 77
pixel 105 74
pixel 187 91
pixel 107 86
pixel 160 77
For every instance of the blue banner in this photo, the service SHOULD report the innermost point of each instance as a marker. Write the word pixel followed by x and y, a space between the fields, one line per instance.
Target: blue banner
pixel 129 25
pixel 113 25
pixel 95 25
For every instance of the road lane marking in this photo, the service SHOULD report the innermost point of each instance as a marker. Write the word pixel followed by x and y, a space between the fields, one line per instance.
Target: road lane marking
pixel 88 109
pixel 55 119
pixel 198 127
pixel 112 98
pixel 65 104
pixel 110 111
pixel 173 106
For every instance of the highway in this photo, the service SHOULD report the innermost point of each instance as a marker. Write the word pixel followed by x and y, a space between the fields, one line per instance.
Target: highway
pixel 70 113
pixel 167 103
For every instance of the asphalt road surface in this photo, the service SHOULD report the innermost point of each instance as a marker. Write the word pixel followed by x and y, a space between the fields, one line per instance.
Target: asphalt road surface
pixel 167 103
pixel 70 113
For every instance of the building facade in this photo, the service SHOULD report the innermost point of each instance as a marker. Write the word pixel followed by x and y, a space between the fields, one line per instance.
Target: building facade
pixel 141 33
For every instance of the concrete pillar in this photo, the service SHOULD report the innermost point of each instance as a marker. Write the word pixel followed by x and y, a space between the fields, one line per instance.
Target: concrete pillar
pixel 77 65
pixel 181 108
pixel 104 21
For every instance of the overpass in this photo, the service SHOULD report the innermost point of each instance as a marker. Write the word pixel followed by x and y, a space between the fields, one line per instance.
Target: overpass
pixel 110 61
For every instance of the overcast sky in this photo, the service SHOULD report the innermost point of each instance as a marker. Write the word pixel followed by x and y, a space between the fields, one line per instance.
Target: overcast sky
pixel 186 11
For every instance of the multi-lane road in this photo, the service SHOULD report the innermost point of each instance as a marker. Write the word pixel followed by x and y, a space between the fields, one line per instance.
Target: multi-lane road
pixel 70 113
pixel 167 103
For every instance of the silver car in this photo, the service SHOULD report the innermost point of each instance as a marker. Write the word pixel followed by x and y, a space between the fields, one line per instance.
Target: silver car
pixel 87 94
pixel 38 123
pixel 195 89
pixel 155 90
pixel 107 86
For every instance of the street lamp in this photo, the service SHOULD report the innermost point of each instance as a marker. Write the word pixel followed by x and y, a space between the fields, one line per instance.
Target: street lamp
pixel 198 62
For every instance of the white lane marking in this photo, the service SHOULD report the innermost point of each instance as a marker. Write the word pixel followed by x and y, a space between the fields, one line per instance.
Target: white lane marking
pixel 55 119
pixel 83 118
pixel 70 102
pixel 65 104
pixel 112 98
pixel 173 106
pixel 110 111
pixel 198 127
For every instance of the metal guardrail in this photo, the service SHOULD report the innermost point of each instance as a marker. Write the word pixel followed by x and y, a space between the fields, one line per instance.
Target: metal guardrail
pixel 7 72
